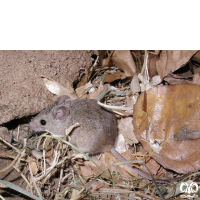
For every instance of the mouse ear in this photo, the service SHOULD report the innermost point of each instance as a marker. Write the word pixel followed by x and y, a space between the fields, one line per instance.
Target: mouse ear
pixel 61 113
pixel 62 98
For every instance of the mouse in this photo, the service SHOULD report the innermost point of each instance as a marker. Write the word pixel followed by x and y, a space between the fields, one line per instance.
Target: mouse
pixel 97 131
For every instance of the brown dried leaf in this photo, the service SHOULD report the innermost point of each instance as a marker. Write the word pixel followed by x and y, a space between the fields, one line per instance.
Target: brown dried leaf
pixel 197 56
pixel 96 93
pixel 135 85
pixel 130 101
pixel 105 59
pixel 152 59
pixel 58 89
pixel 103 54
pixel 167 123
pixel 81 91
pixel 152 165
pixel 85 78
pixel 124 61
pixel 156 52
pixel 34 167
pixel 109 78
pixel 172 60
pixel 172 80
pixel 105 161
pixel 76 194
pixel 83 81
pixel 125 128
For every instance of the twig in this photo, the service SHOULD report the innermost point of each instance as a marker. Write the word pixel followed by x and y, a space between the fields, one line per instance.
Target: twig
pixel 10 165
pixel 22 175
pixel 10 145
pixel 78 195
pixel 114 107
pixel 34 183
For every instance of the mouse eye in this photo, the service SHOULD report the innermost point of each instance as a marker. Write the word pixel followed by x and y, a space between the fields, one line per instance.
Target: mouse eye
pixel 43 122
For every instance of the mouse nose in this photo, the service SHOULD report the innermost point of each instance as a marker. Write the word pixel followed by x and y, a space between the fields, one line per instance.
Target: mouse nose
pixel 33 125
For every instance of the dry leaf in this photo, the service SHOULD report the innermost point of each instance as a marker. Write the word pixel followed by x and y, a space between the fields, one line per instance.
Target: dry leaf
pixel 34 168
pixel 85 78
pixel 120 145
pixel 124 61
pixel 155 80
pixel 83 89
pixel 76 194
pixel 135 85
pixel 105 59
pixel 83 81
pixel 152 165
pixel 125 128
pixel 109 78
pixel 156 52
pixel 103 54
pixel 36 154
pixel 96 93
pixel 168 117
pixel 152 59
pixel 197 56
pixel 130 101
pixel 172 80
pixel 58 89
pixel 96 186
pixel 170 61
pixel 107 159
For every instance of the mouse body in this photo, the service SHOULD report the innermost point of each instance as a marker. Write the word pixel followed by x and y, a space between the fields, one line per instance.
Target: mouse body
pixel 97 131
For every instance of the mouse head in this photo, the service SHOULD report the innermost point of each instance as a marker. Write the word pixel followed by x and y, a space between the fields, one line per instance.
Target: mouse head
pixel 51 119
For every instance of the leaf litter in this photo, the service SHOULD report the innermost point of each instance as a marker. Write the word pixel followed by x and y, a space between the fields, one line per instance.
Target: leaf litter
pixel 134 85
